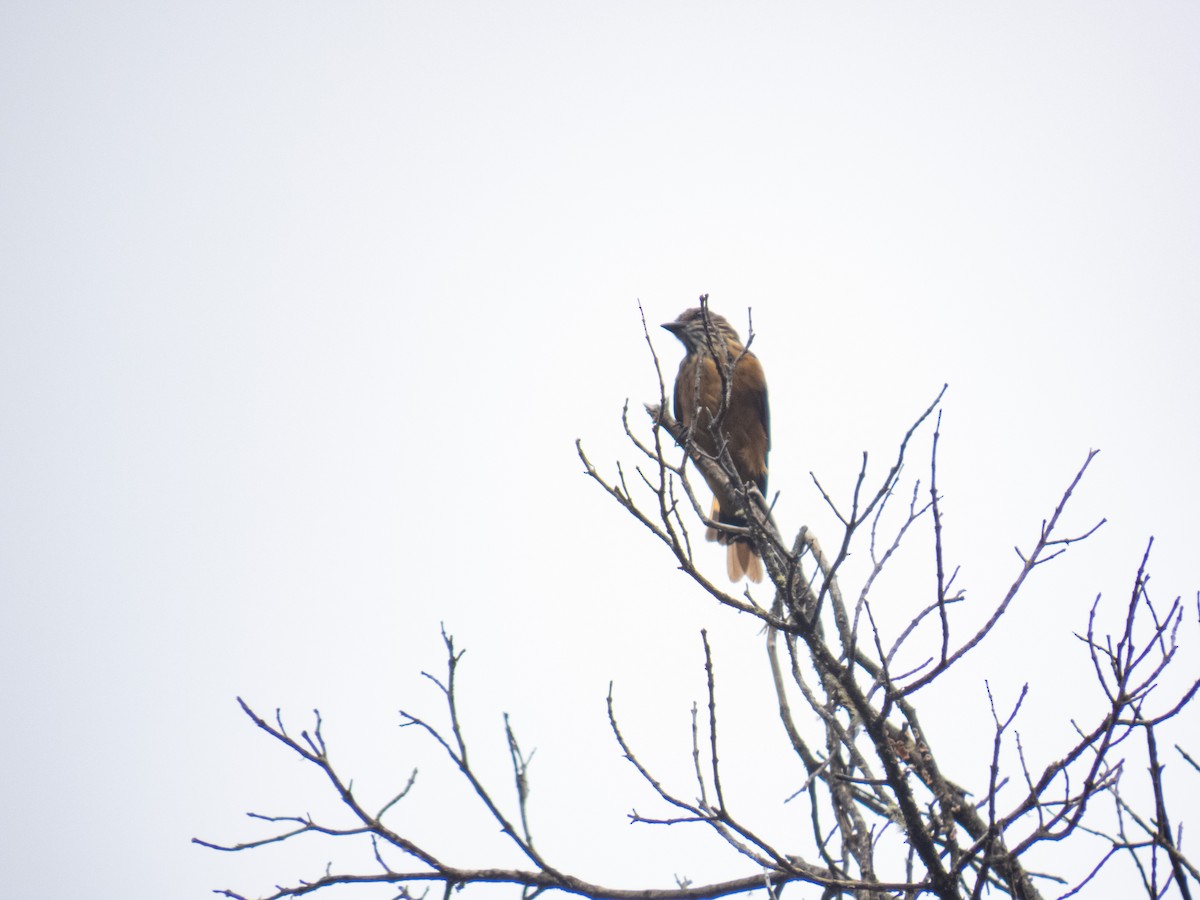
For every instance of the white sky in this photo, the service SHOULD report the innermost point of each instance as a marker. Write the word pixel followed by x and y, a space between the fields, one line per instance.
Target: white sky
pixel 303 305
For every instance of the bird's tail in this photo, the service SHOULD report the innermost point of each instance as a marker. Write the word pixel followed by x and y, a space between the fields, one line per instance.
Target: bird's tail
pixel 740 559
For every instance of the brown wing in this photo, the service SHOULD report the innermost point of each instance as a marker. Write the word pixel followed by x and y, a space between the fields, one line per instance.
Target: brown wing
pixel 748 422
pixel 697 393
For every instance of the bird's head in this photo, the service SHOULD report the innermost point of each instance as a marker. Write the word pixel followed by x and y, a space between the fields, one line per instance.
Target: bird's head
pixel 697 326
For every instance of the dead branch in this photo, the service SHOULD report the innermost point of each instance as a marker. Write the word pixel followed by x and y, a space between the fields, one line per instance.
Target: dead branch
pixel 882 819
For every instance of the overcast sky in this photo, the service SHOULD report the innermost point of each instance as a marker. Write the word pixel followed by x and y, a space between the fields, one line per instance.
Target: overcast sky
pixel 302 307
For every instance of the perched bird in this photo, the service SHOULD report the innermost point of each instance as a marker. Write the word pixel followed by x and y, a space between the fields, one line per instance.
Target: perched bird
pixel 744 426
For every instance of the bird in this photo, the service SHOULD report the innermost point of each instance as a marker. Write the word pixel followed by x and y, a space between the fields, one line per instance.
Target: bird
pixel 713 349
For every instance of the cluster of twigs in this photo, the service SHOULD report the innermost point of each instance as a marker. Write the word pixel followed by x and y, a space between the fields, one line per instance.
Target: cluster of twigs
pixel 871 769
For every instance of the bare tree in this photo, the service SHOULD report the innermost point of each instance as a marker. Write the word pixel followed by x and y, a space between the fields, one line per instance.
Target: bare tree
pixel 884 819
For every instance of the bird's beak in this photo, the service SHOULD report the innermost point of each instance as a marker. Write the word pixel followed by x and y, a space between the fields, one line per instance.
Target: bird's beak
pixel 673 327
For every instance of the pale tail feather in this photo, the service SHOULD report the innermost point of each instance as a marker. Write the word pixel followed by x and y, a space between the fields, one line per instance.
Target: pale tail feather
pixel 741 561
pixel 712 534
